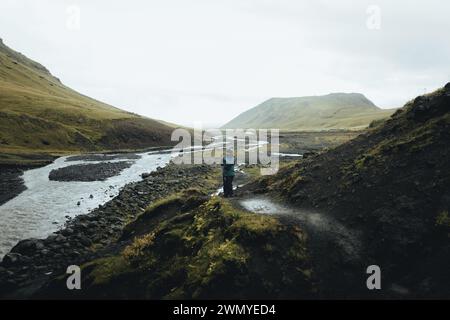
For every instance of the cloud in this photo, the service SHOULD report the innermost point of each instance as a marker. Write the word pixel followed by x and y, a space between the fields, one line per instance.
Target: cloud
pixel 210 60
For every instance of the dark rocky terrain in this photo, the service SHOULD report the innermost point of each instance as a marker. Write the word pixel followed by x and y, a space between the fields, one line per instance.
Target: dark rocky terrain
pixel 104 157
pixel 393 184
pixel 33 261
pixel 193 246
pixel 11 184
pixel 89 172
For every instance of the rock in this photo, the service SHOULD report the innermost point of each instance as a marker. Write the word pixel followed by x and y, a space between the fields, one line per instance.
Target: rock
pixel 89 172
pixel 85 241
pixel 60 238
pixel 67 231
pixel 309 154
pixel 78 203
pixel 28 247
pixel 91 196
pixel 12 259
pixel 50 238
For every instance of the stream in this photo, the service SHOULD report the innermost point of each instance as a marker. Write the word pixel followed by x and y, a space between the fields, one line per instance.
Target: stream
pixel 46 205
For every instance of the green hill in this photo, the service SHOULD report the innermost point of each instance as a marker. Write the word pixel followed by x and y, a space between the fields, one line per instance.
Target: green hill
pixel 38 114
pixel 333 111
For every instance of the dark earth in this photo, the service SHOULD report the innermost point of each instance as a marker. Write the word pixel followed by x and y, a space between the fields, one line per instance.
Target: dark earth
pixel 32 262
pixel 104 157
pixel 11 184
pixel 89 172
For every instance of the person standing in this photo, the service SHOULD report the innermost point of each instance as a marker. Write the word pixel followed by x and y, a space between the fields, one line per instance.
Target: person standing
pixel 228 163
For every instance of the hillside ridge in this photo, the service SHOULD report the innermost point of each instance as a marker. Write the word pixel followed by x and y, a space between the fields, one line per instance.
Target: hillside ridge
pixel 40 115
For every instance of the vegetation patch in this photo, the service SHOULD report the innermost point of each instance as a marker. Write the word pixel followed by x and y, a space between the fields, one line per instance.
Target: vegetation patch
pixel 211 250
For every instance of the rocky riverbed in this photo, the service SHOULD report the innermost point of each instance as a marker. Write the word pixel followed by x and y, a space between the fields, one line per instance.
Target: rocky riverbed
pixel 89 172
pixel 32 261
pixel 104 157
pixel 10 183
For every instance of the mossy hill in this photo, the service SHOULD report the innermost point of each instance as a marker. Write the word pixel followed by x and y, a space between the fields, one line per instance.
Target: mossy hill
pixel 193 246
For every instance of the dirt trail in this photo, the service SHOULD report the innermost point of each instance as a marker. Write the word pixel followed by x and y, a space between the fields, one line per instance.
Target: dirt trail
pixel 335 249
pixel 316 223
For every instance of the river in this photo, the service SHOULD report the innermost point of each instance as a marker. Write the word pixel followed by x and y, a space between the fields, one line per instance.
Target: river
pixel 45 205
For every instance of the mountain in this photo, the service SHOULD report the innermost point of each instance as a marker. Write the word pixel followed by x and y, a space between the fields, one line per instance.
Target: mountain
pixel 392 185
pixel 332 111
pixel 40 114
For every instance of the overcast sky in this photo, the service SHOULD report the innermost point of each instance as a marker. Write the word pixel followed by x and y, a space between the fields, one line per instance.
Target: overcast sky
pixel 207 61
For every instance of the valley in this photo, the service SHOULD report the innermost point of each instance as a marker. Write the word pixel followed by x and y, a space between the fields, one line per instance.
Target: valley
pixel 84 183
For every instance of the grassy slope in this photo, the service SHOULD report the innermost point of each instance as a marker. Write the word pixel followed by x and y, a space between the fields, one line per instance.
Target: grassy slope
pixel 192 246
pixel 39 114
pixel 333 111
pixel 392 183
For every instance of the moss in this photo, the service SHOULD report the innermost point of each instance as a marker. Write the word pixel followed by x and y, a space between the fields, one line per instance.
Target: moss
pixel 377 123
pixel 219 252
pixel 409 141
pixel 443 219
pixel 136 249
pixel 103 270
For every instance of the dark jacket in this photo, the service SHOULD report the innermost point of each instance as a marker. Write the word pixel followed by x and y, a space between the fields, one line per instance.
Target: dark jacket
pixel 228 167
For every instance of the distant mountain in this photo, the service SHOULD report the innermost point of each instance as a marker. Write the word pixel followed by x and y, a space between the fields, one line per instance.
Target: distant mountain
pixel 40 114
pixel 332 111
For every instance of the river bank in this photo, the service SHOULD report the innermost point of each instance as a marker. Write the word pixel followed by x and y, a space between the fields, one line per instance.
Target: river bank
pixel 89 172
pixel 11 183
pixel 14 164
pixel 32 261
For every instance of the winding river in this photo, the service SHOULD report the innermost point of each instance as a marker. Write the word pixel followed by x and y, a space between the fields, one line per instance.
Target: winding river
pixel 46 205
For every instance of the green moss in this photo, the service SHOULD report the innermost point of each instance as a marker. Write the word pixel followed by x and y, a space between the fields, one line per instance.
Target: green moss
pixel 443 219
pixel 105 269
pixel 412 140
pixel 212 251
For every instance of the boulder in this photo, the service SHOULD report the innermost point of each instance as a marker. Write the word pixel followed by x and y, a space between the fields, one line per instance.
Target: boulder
pixel 85 241
pixel 12 259
pixel 28 247
pixel 67 232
